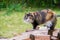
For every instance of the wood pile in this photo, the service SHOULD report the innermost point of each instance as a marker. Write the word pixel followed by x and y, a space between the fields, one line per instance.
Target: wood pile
pixel 36 35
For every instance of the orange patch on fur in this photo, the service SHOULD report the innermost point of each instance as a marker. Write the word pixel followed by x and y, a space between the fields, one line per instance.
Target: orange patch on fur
pixel 49 14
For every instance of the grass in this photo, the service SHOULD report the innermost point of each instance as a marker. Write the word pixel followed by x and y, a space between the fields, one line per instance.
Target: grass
pixel 13 24
pixel 58 23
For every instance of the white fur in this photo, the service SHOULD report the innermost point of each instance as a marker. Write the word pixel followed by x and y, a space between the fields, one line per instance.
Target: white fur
pixel 47 26
pixel 48 23
pixel 28 20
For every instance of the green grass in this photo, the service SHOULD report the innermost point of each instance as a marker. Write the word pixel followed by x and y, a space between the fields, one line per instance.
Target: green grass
pixel 9 25
pixel 13 24
pixel 58 23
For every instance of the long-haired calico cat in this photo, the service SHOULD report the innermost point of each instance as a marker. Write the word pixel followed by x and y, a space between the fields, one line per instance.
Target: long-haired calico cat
pixel 41 17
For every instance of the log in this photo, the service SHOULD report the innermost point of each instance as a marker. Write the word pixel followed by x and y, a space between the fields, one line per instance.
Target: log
pixel 37 35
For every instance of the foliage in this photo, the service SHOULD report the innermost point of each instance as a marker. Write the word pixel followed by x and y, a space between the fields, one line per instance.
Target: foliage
pixel 17 4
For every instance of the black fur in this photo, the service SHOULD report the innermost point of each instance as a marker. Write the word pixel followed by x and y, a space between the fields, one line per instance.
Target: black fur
pixel 35 24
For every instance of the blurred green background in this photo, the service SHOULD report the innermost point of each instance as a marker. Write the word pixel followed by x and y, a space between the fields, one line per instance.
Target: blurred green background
pixel 12 13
